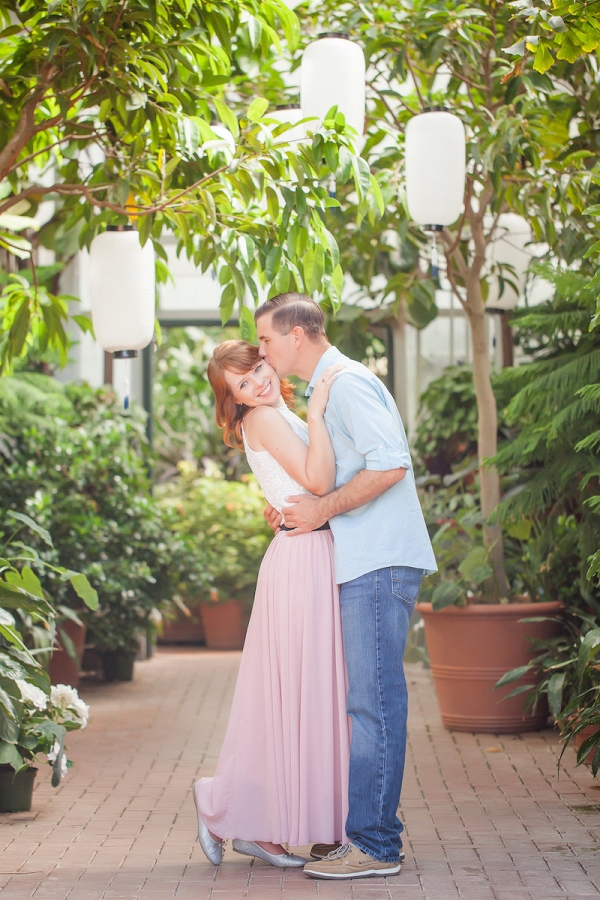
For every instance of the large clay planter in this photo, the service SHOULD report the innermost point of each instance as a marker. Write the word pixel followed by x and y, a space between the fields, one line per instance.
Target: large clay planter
pixel 61 668
pixel 470 648
pixel 16 790
pixel 224 624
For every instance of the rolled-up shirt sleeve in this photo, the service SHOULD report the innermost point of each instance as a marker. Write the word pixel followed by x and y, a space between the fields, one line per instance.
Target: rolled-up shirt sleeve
pixel 362 413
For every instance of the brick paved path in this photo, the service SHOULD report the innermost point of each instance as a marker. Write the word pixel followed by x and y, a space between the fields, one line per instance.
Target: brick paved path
pixel 487 817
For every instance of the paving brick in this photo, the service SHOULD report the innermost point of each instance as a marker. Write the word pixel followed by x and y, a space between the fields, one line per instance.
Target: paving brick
pixel 486 816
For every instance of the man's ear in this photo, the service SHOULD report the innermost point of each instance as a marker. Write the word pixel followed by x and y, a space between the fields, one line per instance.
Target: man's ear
pixel 298 335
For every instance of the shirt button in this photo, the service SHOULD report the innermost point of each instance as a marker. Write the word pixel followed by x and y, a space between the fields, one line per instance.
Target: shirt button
pixel 381 446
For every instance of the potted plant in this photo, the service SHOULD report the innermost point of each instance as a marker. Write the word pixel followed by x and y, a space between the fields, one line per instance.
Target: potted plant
pixel 472 639
pixel 34 717
pixel 566 672
pixel 83 473
pixel 224 519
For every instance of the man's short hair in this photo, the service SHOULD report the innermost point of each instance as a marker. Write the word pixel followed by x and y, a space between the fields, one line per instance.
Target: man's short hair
pixel 292 309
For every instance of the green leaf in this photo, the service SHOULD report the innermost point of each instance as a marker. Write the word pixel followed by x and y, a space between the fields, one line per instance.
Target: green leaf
pixel 555 693
pixel 362 175
pixel 227 303
pixel 543 59
pixel 9 755
pixel 247 325
pixel 227 117
pixel 513 675
pixel 378 195
pixel 84 590
pixel 446 593
pixel 45 535
pixel 257 109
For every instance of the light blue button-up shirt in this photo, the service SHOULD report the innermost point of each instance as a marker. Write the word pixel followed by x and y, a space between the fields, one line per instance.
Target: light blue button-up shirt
pixel 367 433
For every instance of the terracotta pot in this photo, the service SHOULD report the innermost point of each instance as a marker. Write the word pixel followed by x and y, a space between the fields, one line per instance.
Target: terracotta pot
pixel 184 629
pixel 16 789
pixel 61 668
pixel 470 648
pixel 224 624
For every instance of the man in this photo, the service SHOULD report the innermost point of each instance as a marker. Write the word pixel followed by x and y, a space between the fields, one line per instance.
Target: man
pixel 382 550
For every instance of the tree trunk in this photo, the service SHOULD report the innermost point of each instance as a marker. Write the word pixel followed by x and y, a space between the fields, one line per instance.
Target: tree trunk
pixel 487 434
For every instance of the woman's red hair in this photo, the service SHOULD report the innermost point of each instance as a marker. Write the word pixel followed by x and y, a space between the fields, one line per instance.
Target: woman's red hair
pixel 238 357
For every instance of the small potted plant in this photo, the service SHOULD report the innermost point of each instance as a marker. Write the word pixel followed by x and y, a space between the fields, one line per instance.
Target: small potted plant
pixel 565 671
pixel 41 723
pixel 34 717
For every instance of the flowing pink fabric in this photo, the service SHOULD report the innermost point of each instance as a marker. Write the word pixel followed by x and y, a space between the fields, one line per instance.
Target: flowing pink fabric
pixel 282 774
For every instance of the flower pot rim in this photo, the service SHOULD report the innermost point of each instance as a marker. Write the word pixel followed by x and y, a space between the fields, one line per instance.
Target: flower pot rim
pixel 493 609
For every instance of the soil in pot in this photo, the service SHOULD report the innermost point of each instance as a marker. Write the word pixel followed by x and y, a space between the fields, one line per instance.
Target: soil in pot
pixel 16 789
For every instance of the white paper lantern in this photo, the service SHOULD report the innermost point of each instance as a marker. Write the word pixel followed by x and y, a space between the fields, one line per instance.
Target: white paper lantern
pixel 435 168
pixel 122 288
pixel 508 247
pixel 333 74
pixel 290 115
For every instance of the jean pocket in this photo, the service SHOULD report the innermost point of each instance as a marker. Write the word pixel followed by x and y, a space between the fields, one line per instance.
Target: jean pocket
pixel 406 584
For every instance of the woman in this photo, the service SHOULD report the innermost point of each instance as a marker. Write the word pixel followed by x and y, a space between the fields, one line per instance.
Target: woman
pixel 283 769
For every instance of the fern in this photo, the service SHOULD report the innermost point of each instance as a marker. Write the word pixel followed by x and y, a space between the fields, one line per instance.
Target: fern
pixel 555 411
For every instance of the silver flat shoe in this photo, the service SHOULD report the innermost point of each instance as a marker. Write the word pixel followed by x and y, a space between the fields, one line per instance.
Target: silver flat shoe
pixel 281 860
pixel 213 850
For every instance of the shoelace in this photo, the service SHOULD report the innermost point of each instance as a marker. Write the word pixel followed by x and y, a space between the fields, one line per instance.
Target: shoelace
pixel 341 851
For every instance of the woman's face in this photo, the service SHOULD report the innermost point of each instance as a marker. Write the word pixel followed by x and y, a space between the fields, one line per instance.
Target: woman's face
pixel 259 386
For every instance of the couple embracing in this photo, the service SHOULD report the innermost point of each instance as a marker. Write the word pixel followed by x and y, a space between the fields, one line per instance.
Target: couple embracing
pixel 315 745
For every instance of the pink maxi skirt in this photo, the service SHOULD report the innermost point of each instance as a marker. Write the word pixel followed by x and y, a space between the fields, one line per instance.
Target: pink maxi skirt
pixel 282 774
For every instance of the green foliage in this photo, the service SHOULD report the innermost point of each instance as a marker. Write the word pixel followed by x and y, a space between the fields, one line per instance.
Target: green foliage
pixel 225 519
pixel 114 105
pixel 555 411
pixel 565 671
pixel 33 717
pixel 565 31
pixel 447 430
pixel 454 521
pixel 82 474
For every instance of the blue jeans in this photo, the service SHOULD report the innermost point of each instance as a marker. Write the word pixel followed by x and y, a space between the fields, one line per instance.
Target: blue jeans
pixel 376 609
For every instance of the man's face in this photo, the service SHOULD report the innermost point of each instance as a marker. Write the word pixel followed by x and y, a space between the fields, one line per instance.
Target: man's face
pixel 279 350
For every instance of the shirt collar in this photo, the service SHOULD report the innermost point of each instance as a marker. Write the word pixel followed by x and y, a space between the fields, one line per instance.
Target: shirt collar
pixel 328 359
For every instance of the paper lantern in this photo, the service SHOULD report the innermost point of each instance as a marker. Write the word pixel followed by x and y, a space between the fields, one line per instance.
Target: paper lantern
pixel 509 248
pixel 291 115
pixel 333 74
pixel 123 291
pixel 435 168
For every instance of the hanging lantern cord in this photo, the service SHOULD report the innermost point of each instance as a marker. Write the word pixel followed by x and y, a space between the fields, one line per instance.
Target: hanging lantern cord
pixel 434 256
pixel 332 185
pixel 126 397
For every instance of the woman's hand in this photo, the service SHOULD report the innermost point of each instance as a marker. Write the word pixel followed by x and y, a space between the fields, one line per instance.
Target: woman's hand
pixel 320 394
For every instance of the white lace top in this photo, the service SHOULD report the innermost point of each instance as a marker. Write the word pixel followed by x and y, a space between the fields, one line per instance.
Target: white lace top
pixel 275 482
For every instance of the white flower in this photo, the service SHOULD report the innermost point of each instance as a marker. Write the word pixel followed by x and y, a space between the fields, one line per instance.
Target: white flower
pixel 69 705
pixel 32 694
pixel 52 758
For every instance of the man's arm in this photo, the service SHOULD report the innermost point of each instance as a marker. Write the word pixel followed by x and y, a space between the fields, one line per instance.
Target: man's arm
pixel 309 513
